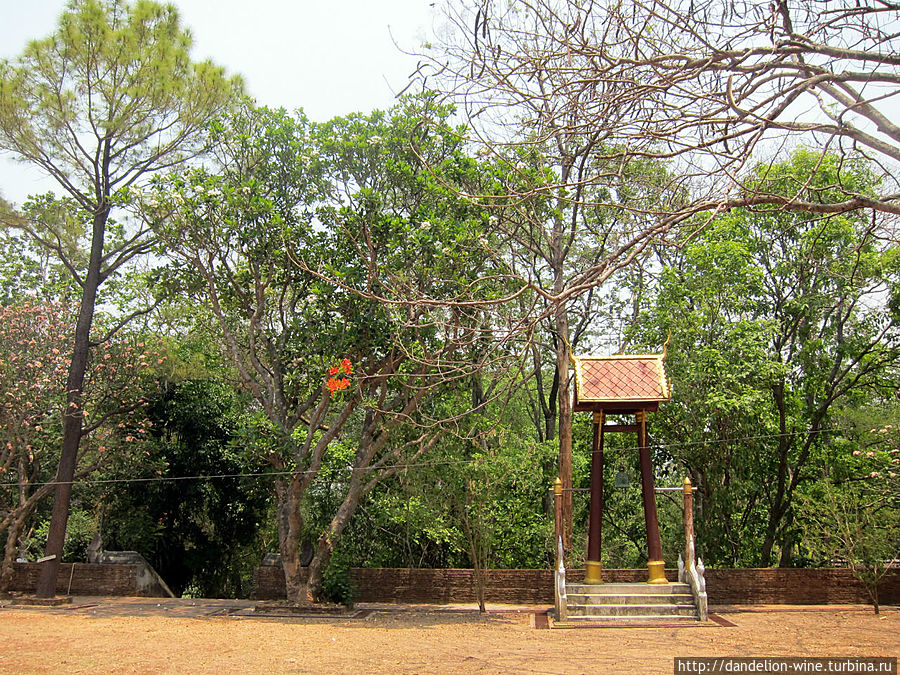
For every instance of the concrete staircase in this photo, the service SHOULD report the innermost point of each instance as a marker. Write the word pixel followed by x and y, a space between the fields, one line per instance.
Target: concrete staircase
pixel 630 603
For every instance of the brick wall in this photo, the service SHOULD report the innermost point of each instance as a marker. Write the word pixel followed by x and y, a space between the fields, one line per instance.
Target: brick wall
pixel 87 579
pixel 795 587
pixel 268 582
pixel 725 586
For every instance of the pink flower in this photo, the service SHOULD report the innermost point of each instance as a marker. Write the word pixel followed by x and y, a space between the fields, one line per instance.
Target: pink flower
pixel 870 454
pixel 857 453
pixel 874 474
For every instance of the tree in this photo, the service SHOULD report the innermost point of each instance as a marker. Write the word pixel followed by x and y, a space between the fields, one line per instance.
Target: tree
pixel 573 213
pixel 778 320
pixel 28 269
pixel 107 100
pixel 201 534
pixel 491 496
pixel 33 337
pixel 273 238
pixel 705 87
pixel 852 515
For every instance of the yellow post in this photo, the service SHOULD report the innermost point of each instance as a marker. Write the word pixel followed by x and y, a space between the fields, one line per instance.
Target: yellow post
pixel 557 508
pixel 656 568
pixel 593 567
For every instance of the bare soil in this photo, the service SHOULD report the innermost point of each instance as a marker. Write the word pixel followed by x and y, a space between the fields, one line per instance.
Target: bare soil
pixel 227 636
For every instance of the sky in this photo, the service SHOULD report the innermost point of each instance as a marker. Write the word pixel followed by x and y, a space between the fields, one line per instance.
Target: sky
pixel 329 58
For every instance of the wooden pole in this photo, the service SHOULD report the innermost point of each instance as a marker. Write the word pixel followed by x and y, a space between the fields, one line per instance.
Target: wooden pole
pixel 655 564
pixel 557 512
pixel 689 560
pixel 593 565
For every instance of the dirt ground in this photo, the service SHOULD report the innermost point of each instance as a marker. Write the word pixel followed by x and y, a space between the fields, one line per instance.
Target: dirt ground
pixel 129 635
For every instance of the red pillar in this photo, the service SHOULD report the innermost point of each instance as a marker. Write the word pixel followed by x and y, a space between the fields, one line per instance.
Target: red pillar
pixel 655 563
pixel 593 565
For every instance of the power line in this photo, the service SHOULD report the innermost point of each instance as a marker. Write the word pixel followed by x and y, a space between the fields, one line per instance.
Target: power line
pixel 260 474
pixel 713 441
pixel 263 474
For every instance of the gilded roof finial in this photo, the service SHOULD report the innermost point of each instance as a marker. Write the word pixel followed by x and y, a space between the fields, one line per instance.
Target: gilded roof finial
pixel 569 348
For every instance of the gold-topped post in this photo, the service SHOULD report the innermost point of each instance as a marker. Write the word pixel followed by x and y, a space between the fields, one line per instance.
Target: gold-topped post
pixel 656 567
pixel 557 510
pixel 593 573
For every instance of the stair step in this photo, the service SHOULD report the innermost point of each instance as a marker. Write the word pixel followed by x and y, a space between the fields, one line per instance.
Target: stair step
pixel 631 619
pixel 628 589
pixel 631 610
pixel 632 603
pixel 633 599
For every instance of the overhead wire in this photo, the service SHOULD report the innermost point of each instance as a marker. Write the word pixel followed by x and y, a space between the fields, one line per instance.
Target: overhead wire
pixel 264 474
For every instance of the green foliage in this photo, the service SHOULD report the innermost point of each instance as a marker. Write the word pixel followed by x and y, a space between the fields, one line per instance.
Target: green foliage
pixel 776 321
pixel 200 533
pixel 465 500
pixel 111 97
pixel 80 531
pixel 309 245
pixel 336 585
pixel 27 269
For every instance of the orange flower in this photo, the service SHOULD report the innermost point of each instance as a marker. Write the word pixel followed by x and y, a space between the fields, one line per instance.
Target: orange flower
pixel 333 383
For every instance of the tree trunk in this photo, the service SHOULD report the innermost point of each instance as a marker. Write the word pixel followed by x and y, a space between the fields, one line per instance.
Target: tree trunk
pixel 73 417
pixel 565 422
pixel 779 504
pixel 290 528
pixel 476 554
pixel 327 540
pixel 10 552
pixel 776 518
pixel 787 551
pixel 545 406
pixel 765 552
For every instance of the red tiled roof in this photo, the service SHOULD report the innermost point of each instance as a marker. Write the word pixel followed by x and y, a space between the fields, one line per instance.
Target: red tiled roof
pixel 601 379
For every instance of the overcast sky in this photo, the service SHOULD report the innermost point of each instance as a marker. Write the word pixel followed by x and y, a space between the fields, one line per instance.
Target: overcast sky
pixel 329 58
